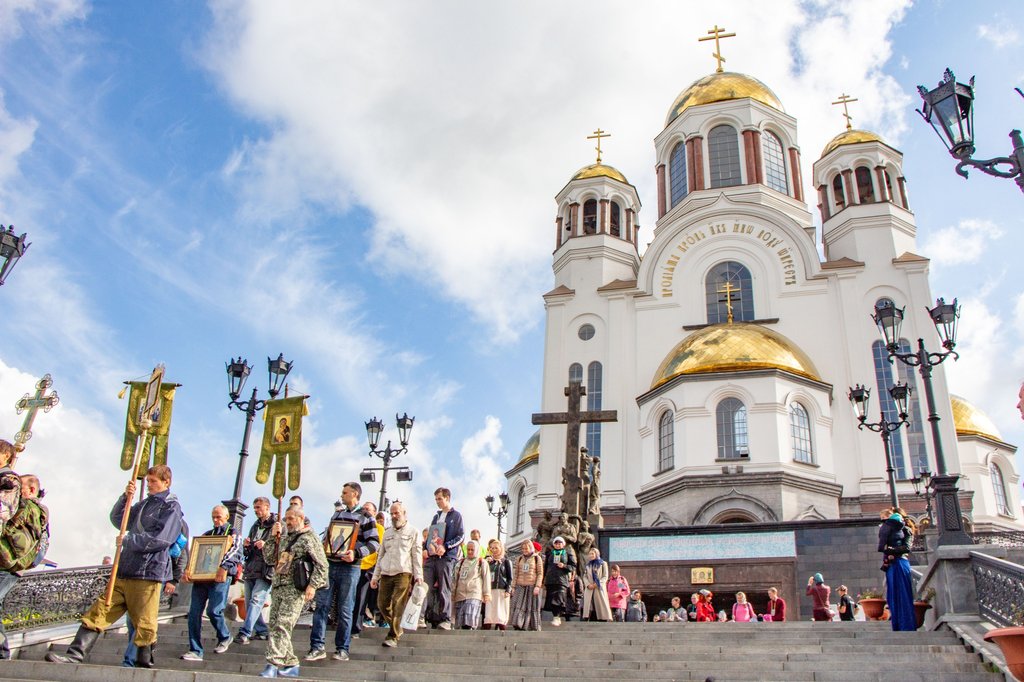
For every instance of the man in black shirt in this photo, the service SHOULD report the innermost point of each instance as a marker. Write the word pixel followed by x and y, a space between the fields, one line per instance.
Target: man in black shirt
pixel 846 607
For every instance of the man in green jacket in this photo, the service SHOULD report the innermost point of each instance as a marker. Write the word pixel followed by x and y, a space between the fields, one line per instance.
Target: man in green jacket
pixel 19 543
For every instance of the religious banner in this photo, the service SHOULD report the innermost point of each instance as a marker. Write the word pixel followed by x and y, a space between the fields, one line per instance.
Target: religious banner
pixel 282 443
pixel 154 448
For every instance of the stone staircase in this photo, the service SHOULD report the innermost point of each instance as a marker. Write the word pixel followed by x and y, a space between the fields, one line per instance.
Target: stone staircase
pixel 789 652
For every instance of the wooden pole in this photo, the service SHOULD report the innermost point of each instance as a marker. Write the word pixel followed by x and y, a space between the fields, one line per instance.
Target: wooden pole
pixel 145 423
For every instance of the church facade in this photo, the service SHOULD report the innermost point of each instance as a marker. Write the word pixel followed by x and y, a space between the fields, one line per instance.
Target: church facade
pixel 728 348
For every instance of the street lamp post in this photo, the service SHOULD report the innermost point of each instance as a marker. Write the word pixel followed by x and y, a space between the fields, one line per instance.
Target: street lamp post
pixel 238 371
pixel 501 512
pixel 374 428
pixel 900 393
pixel 949 108
pixel 12 248
pixel 921 483
pixel 944 316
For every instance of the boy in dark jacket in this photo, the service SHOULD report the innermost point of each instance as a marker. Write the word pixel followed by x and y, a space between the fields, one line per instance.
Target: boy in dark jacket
pixel 257 574
pixel 145 565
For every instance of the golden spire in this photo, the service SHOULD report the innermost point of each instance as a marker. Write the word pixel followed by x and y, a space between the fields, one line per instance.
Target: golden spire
pixel 716 34
pixel 728 289
pixel 598 134
pixel 845 99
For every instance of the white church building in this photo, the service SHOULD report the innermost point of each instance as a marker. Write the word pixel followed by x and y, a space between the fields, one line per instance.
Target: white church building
pixel 746 420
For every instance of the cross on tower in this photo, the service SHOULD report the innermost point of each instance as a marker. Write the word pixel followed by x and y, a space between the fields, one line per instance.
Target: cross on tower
pixel 728 289
pixel 845 99
pixel 716 34
pixel 33 404
pixel 598 134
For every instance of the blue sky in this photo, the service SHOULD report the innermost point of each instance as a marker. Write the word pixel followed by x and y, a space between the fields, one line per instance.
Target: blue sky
pixel 369 190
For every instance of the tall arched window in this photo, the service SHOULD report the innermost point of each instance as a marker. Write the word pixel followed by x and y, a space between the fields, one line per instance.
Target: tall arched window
pixel 590 216
pixel 724 156
pixel 1000 489
pixel 520 510
pixel 865 192
pixel 614 220
pixel 800 431
pixel 884 381
pixel 677 173
pixel 741 293
pixel 774 163
pixel 731 418
pixel 594 379
pixel 575 372
pixel 838 194
pixel 666 441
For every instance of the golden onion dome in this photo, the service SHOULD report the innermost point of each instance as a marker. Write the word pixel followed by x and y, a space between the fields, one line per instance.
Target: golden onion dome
pixel 732 348
pixel 719 87
pixel 852 136
pixel 531 450
pixel 970 421
pixel 599 170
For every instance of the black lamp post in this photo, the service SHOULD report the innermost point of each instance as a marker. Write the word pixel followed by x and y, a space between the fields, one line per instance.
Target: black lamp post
pixel 949 108
pixel 501 512
pixel 944 316
pixel 374 428
pixel 900 393
pixel 238 371
pixel 12 248
pixel 921 483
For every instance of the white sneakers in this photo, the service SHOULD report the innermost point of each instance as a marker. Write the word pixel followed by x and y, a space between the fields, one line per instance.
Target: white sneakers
pixel 192 656
pixel 556 621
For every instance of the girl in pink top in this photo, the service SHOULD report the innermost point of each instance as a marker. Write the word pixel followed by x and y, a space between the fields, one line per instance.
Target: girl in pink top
pixel 618 593
pixel 742 611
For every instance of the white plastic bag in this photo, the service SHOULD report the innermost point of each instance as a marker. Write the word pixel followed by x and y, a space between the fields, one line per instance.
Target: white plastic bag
pixel 411 615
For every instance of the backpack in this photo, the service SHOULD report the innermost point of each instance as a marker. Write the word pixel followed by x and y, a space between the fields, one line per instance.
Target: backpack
pixel 15 530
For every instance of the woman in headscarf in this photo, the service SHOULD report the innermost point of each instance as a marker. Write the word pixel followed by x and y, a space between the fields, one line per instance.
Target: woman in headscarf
pixel 559 568
pixel 527 578
pixel 894 540
pixel 471 587
pixel 705 610
pixel 595 589
pixel 496 612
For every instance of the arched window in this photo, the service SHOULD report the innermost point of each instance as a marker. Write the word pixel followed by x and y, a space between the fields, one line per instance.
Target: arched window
pixel 594 403
pixel 839 196
pixel 520 510
pixel 865 192
pixel 774 163
pixel 614 219
pixel 1000 489
pixel 666 441
pixel 677 173
pixel 575 372
pixel 888 187
pixel 800 430
pixel 731 418
pixel 590 216
pixel 724 156
pixel 741 292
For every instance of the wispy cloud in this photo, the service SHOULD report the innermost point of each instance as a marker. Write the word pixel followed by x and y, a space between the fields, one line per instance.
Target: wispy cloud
pixel 962 243
pixel 999 35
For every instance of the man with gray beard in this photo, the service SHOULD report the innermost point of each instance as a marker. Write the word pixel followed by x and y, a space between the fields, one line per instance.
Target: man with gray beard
pixel 399 567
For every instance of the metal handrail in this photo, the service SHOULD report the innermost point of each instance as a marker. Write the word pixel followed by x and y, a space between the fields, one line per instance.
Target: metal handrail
pixel 1000 589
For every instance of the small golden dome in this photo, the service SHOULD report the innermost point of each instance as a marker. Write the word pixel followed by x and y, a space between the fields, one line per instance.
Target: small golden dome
pixel 970 421
pixel 599 170
pixel 732 348
pixel 719 87
pixel 531 450
pixel 852 136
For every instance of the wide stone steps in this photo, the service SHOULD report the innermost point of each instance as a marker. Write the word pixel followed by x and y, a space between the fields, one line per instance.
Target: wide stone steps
pixel 790 652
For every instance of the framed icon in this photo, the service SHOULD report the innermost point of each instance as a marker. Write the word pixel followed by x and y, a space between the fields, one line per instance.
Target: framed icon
pixel 207 553
pixel 702 576
pixel 341 537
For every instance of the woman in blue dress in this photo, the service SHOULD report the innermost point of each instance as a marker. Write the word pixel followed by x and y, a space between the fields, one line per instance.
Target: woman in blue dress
pixel 894 540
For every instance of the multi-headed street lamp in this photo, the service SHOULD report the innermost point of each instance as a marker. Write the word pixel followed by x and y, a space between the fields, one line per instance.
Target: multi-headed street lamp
pixel 238 371
pixel 921 483
pixel 374 428
pixel 900 393
pixel 501 512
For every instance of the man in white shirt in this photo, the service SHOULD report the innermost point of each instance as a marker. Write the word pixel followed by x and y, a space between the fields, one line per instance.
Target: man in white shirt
pixel 399 567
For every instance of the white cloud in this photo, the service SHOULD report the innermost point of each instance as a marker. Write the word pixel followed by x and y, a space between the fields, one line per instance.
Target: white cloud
pixel 16 136
pixel 962 243
pixel 45 12
pixel 999 35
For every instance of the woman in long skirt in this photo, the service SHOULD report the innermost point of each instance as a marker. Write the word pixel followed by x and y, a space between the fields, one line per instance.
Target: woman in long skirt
pixel 496 611
pixel 527 579
pixel 894 540
pixel 559 570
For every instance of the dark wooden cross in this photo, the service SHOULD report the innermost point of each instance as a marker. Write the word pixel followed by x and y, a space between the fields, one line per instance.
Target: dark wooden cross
pixel 573 418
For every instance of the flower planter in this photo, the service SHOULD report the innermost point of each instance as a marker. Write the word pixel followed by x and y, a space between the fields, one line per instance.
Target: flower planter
pixel 1011 642
pixel 920 608
pixel 873 607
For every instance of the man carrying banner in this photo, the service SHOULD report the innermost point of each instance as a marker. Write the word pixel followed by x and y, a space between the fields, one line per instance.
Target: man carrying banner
pixel 145 565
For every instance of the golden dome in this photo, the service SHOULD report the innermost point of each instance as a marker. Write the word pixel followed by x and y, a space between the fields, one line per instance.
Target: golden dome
pixel 970 421
pixel 599 170
pixel 532 448
pixel 732 348
pixel 852 136
pixel 719 87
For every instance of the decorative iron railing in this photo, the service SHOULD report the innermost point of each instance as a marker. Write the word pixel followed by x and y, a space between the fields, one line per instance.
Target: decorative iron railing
pixel 1000 588
pixel 1006 538
pixel 53 597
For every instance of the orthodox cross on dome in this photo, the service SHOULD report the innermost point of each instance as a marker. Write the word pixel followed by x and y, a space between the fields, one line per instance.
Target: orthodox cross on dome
pixel 716 34
pixel 845 99
pixel 598 134
pixel 728 289
pixel 33 404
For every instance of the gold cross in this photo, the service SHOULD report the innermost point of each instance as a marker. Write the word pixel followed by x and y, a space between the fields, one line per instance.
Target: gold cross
pixel 33 404
pixel 715 34
pixel 845 99
pixel 598 134
pixel 728 289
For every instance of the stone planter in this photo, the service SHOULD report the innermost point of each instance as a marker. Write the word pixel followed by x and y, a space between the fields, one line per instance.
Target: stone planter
pixel 920 608
pixel 1011 642
pixel 873 607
